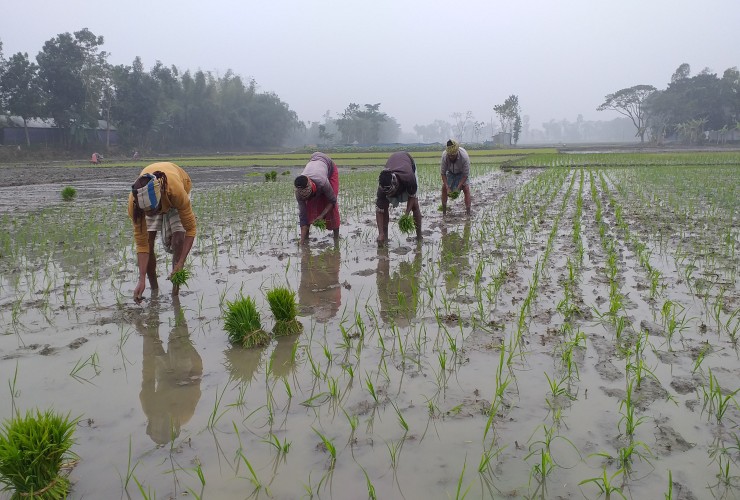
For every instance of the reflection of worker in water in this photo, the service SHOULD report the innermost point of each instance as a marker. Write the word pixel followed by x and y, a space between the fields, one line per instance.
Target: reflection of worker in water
pixel 454 260
pixel 170 386
pixel 398 293
pixel 319 288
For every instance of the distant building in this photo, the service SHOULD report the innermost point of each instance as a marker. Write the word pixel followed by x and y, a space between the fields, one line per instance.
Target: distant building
pixel 502 139
pixel 43 131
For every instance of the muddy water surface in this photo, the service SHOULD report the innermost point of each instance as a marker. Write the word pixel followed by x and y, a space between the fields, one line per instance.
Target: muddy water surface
pixel 391 384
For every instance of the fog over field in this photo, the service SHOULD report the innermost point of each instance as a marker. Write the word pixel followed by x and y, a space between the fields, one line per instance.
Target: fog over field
pixel 423 60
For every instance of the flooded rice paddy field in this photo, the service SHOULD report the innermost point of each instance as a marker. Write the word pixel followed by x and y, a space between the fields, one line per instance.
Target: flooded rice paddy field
pixel 581 325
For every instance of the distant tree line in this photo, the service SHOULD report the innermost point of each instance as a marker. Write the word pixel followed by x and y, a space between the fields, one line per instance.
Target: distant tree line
pixel 164 108
pixel 365 125
pixel 686 109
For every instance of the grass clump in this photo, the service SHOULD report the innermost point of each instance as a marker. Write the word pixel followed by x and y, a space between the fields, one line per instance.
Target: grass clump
pixel 285 309
pixel 320 224
pixel 180 277
pixel 406 224
pixel 69 193
pixel 242 323
pixel 32 454
pixel 454 195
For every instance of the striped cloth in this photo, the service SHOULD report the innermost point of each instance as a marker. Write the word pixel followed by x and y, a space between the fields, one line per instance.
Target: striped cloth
pixel 147 197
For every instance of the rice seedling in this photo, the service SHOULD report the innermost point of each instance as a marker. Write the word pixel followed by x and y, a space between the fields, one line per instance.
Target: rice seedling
pixel 33 450
pixel 253 478
pixel 281 448
pixel 629 418
pixel 604 483
pixel 320 224
pixel 243 324
pixel 181 277
pixel 69 193
pixel 714 401
pixel 329 445
pixel 459 494
pixel 453 195
pixel 406 224
pixel 285 309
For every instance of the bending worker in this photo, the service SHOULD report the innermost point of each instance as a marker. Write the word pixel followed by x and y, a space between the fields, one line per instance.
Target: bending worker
pixel 160 201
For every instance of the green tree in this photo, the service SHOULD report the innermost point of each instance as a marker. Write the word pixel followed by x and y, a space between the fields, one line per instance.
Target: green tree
pixel 363 126
pixel 507 113
pixel 2 70
pixel 681 73
pixel 134 104
pixel 71 71
pixel 20 91
pixel 348 123
pixel 271 120
pixel 691 104
pixel 630 103
pixel 517 128
pixel 730 92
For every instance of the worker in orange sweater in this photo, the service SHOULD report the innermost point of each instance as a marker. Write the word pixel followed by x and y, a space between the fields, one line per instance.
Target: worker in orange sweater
pixel 160 201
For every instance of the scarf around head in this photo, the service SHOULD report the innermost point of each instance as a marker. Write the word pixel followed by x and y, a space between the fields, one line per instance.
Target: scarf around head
pixel 305 192
pixel 390 189
pixel 452 147
pixel 148 197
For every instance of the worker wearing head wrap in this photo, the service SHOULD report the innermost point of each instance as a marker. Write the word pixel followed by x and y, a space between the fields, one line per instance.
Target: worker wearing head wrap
pixel 316 191
pixel 160 202
pixel 455 170
pixel 397 183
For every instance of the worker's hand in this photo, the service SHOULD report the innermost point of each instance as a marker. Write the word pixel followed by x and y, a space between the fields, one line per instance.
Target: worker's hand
pixel 139 291
pixel 175 268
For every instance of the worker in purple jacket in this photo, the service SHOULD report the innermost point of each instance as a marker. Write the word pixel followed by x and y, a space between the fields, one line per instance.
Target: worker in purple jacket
pixel 397 183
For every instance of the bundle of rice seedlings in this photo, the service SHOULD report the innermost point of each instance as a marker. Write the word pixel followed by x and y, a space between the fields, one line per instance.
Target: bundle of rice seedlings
pixel 69 193
pixel 320 224
pixel 33 451
pixel 406 223
pixel 180 277
pixel 285 309
pixel 242 323
pixel 454 195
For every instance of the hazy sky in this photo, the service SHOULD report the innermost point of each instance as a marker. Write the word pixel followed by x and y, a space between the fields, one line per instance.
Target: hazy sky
pixel 422 60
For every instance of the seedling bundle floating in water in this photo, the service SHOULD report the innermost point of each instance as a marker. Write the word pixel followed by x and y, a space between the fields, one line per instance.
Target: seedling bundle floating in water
pixel 284 308
pixel 320 224
pixel 242 323
pixel 406 223
pixel 69 193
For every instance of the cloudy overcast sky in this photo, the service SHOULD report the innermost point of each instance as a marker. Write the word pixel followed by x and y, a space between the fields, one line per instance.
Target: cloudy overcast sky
pixel 422 60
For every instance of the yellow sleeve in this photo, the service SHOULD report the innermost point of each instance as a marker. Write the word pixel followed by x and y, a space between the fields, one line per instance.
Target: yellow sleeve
pixel 180 200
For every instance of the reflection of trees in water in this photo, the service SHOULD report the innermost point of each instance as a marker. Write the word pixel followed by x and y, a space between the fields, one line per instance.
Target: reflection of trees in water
pixel 170 386
pixel 454 261
pixel 398 292
pixel 319 289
